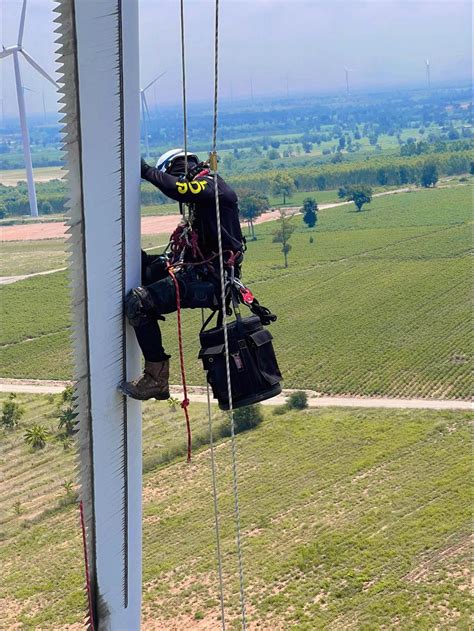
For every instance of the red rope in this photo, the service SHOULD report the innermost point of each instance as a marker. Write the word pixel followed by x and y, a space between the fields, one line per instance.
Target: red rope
pixel 86 567
pixel 185 401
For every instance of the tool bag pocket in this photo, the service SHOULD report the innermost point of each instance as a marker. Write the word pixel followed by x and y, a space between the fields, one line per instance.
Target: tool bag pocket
pixel 254 371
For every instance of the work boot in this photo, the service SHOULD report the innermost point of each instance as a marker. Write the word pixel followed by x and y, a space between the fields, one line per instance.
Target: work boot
pixel 153 384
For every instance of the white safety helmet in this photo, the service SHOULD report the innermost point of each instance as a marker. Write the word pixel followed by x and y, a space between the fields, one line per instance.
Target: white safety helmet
pixel 167 159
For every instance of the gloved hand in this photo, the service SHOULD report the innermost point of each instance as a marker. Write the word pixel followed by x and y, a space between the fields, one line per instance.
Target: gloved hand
pixel 144 167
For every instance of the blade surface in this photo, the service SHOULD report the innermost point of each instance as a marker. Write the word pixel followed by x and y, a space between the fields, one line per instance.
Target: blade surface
pixel 98 55
pixel 145 104
pixel 22 23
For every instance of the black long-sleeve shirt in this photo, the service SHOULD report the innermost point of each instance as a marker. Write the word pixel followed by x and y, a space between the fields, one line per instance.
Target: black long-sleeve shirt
pixel 201 194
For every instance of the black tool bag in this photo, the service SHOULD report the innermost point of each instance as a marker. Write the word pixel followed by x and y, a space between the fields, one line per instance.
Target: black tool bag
pixel 254 371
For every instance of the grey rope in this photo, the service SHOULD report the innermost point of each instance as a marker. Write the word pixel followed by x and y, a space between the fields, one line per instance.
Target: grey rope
pixel 183 71
pixel 224 323
pixel 209 412
pixel 216 505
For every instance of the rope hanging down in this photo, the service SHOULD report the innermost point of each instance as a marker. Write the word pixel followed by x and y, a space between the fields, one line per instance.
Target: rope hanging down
pixel 214 166
pixel 183 73
pixel 209 412
pixel 185 401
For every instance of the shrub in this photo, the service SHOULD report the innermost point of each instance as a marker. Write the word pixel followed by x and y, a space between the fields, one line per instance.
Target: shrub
pixel 36 436
pixel 11 412
pixel 280 410
pixel 67 420
pixel 68 486
pixel 173 404
pixel 245 418
pixel 297 400
pixel 66 413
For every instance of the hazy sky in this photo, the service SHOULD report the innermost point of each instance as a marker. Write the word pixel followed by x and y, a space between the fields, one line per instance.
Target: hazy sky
pixel 385 42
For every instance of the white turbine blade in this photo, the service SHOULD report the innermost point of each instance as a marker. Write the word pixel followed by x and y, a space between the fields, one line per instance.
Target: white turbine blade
pixel 101 141
pixel 154 81
pixel 145 104
pixel 22 23
pixel 37 67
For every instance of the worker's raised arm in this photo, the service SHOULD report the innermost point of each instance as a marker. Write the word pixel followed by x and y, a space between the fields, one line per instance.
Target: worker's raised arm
pixel 177 188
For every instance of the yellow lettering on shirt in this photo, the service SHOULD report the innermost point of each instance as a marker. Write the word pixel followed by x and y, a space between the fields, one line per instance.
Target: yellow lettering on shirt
pixel 195 187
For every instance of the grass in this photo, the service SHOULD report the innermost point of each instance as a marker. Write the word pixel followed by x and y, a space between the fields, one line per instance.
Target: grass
pixel 350 519
pixel 28 257
pixel 377 305
pixel 296 199
pixel 10 177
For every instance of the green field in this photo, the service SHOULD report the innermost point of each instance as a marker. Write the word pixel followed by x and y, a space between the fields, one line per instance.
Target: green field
pixel 351 519
pixel 377 305
pixel 28 257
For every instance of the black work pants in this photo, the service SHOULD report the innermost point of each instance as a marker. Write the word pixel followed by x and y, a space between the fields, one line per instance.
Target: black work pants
pixel 198 289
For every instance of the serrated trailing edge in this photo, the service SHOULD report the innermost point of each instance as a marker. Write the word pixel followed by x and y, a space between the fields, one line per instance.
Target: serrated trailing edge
pixel 98 59
pixel 77 269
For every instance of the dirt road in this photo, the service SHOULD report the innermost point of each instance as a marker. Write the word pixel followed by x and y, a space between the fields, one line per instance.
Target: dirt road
pixel 197 394
pixel 150 225
pixel 57 230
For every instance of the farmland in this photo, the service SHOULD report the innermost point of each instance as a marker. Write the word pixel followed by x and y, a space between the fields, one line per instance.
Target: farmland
pixel 377 304
pixel 29 257
pixel 351 519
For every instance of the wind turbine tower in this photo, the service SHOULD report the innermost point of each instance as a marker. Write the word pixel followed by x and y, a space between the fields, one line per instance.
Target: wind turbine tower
pixel 16 51
pixel 428 76
pixel 146 111
pixel 347 70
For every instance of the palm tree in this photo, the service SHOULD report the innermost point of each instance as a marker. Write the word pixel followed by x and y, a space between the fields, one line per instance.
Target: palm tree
pixel 36 436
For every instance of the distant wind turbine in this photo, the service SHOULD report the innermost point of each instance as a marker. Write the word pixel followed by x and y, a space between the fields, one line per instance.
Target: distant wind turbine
pixel 15 51
pixel 428 77
pixel 146 111
pixel 347 70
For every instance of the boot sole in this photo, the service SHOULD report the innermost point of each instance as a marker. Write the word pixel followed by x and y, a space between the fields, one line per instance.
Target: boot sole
pixel 124 390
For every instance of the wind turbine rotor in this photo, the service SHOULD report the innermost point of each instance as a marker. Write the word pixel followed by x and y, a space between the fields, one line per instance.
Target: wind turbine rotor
pixel 37 67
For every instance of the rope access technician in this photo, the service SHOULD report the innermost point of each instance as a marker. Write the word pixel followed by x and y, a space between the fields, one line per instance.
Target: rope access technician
pixel 193 255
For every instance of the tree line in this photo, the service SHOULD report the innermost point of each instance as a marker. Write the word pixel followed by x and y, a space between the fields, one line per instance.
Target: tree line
pixel 379 171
